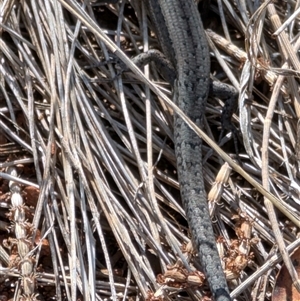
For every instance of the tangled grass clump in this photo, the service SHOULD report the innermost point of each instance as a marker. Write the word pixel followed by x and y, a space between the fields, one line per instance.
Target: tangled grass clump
pixel 90 148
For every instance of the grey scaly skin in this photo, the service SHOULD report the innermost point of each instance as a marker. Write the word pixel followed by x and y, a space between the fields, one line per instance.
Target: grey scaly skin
pixel 183 40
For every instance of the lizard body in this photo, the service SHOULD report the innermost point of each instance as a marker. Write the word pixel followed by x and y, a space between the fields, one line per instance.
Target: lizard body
pixel 183 41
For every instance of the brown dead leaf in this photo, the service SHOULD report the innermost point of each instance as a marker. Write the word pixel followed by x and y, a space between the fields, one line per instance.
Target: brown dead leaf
pixel 284 289
pixel 31 195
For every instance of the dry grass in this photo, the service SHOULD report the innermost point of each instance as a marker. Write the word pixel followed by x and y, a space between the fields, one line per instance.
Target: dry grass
pixel 93 154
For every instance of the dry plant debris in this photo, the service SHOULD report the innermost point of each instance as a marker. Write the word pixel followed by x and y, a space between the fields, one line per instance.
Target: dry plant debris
pixel 90 149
